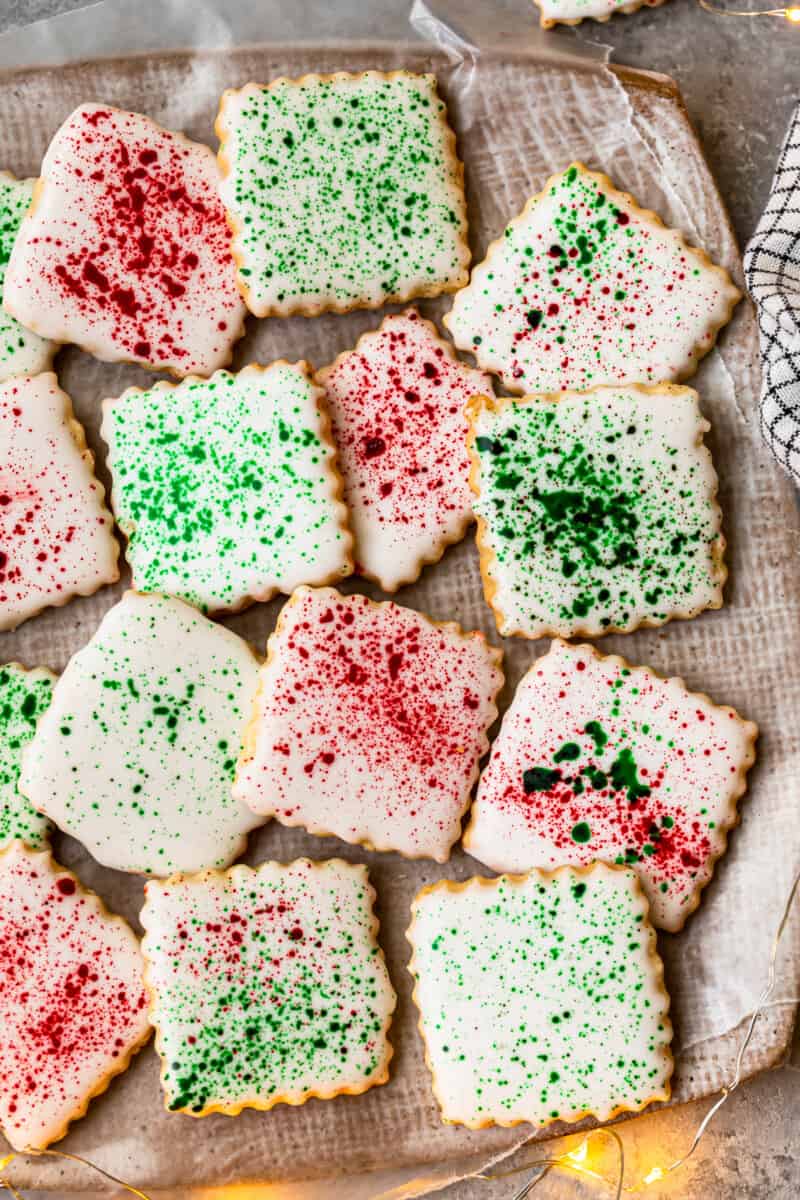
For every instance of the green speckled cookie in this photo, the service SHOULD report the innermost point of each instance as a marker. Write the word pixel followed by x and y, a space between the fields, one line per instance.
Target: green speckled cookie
pixel 24 695
pixel 22 352
pixel 343 191
pixel 226 488
pixel 135 755
pixel 268 986
pixel 596 511
pixel 541 997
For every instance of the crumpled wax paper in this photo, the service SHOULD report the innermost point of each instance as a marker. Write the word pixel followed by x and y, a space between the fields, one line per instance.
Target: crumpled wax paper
pixel 524 105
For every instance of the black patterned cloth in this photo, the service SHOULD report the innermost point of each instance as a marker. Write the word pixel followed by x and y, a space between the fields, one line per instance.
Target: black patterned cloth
pixel 772 271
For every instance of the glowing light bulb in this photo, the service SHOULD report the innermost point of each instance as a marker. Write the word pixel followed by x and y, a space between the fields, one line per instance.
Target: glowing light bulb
pixel 654 1176
pixel 579 1155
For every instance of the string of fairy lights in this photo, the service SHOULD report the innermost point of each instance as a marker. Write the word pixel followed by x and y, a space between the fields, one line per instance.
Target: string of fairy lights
pixel 791 14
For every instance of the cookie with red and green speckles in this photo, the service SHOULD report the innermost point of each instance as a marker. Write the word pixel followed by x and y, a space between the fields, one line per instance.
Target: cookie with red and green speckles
pixel 585 288
pixel 572 12
pixel 596 511
pixel 22 352
pixel 369 723
pixel 598 759
pixel 227 488
pixel 267 986
pixel 136 753
pixel 397 411
pixel 125 250
pixel 24 696
pixel 73 1005
pixel 343 191
pixel 56 533
pixel 541 997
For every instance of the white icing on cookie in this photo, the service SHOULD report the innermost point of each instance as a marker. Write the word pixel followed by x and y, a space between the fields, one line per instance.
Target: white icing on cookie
pixel 268 986
pixel 226 488
pixel 369 723
pixel 572 12
pixel 56 537
pixel 136 754
pixel 344 191
pixel 397 411
pixel 24 695
pixel 585 288
pixel 597 759
pixel 126 249
pixel 73 1006
pixel 22 352
pixel 541 997
pixel 596 511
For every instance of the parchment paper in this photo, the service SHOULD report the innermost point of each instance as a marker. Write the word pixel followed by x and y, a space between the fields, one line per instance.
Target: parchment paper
pixel 521 113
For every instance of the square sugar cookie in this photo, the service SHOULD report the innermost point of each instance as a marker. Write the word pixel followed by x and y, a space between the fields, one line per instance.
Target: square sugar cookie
pixel 369 723
pixel 397 412
pixel 126 249
pixel 22 352
pixel 56 533
pixel 24 696
pixel 268 986
pixel 227 488
pixel 598 759
pixel 136 753
pixel 596 511
pixel 585 288
pixel 343 191
pixel 541 997
pixel 73 1005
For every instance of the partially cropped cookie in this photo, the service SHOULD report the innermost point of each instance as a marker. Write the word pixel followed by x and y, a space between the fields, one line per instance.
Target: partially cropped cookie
pixel 598 759
pixel 227 488
pixel 585 288
pixel 572 12
pixel 597 511
pixel 397 410
pixel 136 753
pixel 22 352
pixel 268 986
pixel 343 191
pixel 369 723
pixel 24 696
pixel 73 1005
pixel 541 997
pixel 126 250
pixel 56 534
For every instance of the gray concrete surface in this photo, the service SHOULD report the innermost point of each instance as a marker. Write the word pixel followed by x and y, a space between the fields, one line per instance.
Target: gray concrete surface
pixel 740 79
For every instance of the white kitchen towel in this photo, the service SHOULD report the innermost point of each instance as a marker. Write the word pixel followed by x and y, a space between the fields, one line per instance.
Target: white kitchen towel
pixel 772 271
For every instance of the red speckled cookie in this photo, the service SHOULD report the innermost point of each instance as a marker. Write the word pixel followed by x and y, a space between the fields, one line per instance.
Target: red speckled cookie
pixel 126 250
pixel 598 759
pixel 73 1005
pixel 56 538
pixel 397 410
pixel 369 723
